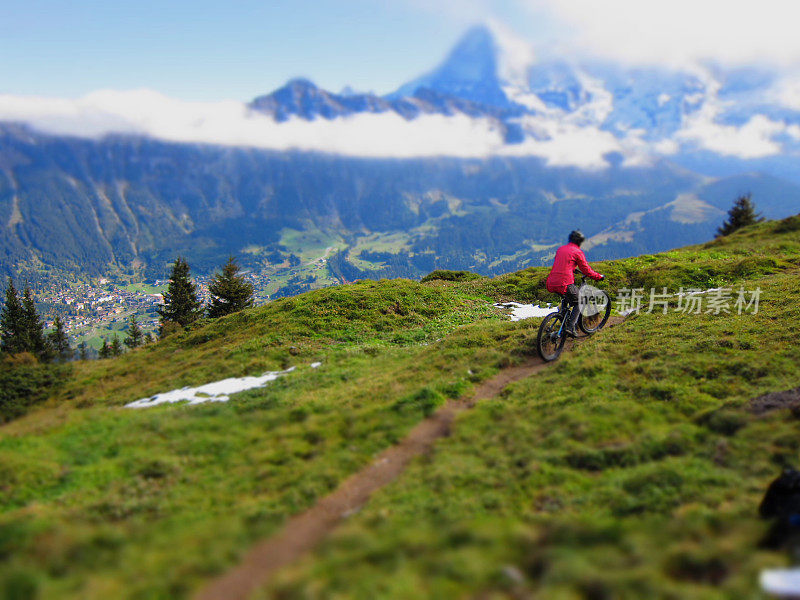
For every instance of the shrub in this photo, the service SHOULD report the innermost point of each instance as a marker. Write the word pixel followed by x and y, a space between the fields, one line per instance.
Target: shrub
pixel 788 224
pixel 24 382
pixel 445 275
pixel 426 400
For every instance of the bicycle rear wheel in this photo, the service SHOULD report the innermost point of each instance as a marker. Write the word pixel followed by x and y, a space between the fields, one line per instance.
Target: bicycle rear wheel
pixel 551 338
pixel 591 323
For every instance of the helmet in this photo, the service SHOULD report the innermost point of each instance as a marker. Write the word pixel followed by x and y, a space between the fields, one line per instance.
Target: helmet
pixel 576 237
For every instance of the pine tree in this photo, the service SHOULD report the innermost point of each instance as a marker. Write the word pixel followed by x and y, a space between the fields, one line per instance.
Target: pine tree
pixel 229 291
pixel 116 346
pixel 105 349
pixel 741 214
pixel 59 341
pixel 83 354
pixel 33 327
pixel 12 329
pixel 180 302
pixel 135 337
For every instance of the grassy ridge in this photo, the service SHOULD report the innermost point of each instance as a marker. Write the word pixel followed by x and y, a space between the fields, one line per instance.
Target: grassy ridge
pixel 766 248
pixel 632 469
pixel 288 331
pixel 97 501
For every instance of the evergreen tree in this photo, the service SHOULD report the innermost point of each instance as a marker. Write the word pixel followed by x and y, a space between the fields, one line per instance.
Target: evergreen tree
pixel 33 327
pixel 135 337
pixel 105 349
pixel 59 341
pixel 116 346
pixel 180 302
pixel 12 329
pixel 229 291
pixel 83 354
pixel 741 214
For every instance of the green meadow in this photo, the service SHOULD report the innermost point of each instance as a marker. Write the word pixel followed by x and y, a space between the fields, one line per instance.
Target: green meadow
pixel 632 468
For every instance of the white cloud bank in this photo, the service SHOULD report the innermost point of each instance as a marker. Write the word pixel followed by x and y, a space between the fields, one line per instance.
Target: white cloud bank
pixel 560 138
pixel 678 31
pixel 230 123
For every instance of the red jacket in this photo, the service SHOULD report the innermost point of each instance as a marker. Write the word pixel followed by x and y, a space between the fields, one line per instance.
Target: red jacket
pixel 561 275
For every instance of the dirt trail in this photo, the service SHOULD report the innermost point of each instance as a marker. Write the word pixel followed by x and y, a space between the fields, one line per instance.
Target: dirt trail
pixel 304 531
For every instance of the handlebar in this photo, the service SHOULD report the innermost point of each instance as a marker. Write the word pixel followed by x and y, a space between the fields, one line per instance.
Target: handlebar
pixel 584 278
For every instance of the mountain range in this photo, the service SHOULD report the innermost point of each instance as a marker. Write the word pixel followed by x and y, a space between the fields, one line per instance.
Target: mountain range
pixel 643 159
pixel 690 116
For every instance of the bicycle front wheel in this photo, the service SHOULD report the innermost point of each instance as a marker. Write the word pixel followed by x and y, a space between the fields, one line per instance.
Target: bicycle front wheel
pixel 594 322
pixel 551 338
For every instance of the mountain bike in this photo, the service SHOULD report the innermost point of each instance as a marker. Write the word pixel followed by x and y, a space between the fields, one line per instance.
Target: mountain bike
pixel 595 307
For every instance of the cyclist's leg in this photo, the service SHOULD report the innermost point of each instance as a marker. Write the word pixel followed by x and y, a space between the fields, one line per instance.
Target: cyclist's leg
pixel 571 297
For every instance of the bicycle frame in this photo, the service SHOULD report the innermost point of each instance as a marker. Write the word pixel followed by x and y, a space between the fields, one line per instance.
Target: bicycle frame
pixel 565 309
pixel 550 343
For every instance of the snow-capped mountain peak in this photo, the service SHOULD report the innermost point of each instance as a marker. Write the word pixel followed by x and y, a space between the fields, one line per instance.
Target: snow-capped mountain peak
pixel 491 95
pixel 471 71
pixel 514 57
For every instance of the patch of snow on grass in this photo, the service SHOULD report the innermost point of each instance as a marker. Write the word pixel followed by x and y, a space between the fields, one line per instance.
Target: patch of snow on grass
pixel 526 311
pixel 784 583
pixel 216 391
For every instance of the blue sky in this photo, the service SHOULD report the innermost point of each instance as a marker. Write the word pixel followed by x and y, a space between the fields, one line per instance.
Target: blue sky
pixel 184 70
pixel 211 50
pixel 206 50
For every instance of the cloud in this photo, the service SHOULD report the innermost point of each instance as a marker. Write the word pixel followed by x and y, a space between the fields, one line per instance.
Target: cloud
pixel 754 139
pixel 558 140
pixel 564 144
pixel 787 93
pixel 230 123
pixel 679 31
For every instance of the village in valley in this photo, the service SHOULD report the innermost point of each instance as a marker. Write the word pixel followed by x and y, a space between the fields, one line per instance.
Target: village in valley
pixel 101 308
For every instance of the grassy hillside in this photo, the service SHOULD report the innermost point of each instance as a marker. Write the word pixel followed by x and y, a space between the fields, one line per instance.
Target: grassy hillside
pixel 632 468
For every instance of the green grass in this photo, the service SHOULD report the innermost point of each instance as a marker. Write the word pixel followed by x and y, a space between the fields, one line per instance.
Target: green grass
pixel 95 335
pixel 100 501
pixel 381 242
pixel 632 469
pixel 766 248
pixel 288 331
pixel 309 244
pixel 629 469
pixel 145 288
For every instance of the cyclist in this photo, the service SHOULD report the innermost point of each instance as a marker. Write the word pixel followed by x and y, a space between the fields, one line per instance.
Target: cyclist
pixel 561 279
